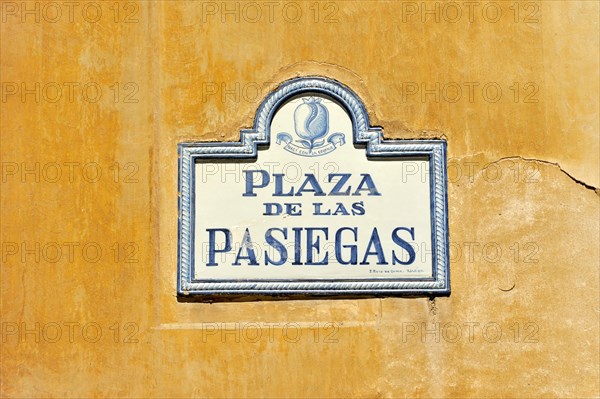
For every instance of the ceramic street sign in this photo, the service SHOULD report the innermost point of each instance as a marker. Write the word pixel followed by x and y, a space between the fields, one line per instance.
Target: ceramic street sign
pixel 312 200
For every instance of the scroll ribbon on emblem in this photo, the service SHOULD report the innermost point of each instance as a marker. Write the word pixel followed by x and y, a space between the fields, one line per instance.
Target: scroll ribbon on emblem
pixel 285 138
pixel 333 141
pixel 337 139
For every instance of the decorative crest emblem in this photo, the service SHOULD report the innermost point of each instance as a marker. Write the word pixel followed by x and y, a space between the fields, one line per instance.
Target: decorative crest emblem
pixel 311 122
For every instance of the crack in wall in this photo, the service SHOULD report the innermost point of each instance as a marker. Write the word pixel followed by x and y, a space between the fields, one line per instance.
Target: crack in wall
pixel 543 162
pixel 433 309
pixel 518 158
pixel 435 135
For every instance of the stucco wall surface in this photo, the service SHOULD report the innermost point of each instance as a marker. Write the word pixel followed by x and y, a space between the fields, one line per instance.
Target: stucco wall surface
pixel 97 95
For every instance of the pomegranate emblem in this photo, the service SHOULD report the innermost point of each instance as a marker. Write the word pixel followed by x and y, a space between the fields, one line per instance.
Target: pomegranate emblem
pixel 311 122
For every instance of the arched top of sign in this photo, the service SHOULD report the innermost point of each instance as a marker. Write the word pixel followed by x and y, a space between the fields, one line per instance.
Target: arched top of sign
pixel 363 132
pixel 261 134
pixel 291 180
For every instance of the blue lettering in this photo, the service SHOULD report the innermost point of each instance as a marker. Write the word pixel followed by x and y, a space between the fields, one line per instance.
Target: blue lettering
pixel 368 181
pixel 378 250
pixel 250 186
pixel 277 245
pixel 358 208
pixel 279 186
pixel 318 211
pixel 272 209
pixel 403 244
pixel 297 248
pixel 316 188
pixel 314 244
pixel 250 255
pixel 338 186
pixel 339 246
pixel 212 250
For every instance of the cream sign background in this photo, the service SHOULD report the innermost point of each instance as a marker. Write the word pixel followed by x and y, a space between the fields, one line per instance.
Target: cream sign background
pixel 313 201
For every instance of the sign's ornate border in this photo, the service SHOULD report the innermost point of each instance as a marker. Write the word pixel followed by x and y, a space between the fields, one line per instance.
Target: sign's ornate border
pixel 364 133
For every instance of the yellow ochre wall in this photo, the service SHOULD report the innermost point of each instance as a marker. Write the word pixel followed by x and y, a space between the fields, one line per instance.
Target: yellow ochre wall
pixel 97 95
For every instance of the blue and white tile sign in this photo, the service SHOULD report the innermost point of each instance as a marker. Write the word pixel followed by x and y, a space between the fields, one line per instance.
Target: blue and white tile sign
pixel 313 201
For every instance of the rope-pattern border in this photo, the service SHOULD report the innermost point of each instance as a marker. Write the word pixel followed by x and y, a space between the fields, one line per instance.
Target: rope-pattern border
pixel 363 133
